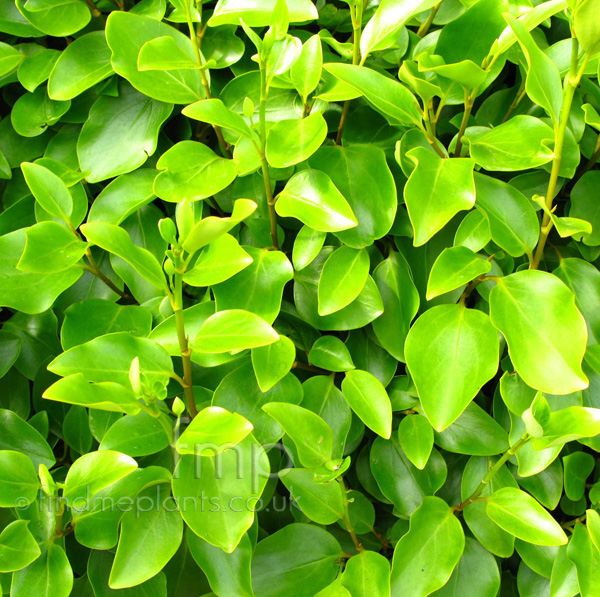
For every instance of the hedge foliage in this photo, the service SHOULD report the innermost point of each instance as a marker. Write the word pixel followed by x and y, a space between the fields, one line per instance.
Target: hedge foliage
pixel 300 298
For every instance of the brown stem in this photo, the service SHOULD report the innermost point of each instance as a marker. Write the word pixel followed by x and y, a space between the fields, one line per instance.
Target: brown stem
pixel 94 269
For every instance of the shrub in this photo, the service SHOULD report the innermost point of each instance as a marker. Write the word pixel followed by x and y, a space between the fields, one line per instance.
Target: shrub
pixel 300 298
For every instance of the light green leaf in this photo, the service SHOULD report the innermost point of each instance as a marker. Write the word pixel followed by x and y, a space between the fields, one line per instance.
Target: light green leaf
pixel 107 396
pixel 50 248
pixel 58 19
pixel 117 241
pixel 120 133
pixel 586 22
pixel 235 495
pixel 306 72
pixel 367 575
pixel 425 557
pixel 273 362
pixel 321 502
pixel 436 191
pixel 18 547
pixel 521 515
pixel 80 66
pixel 48 576
pixel 212 431
pixel 368 399
pixel 451 352
pixel 259 13
pixel 19 482
pixel 330 353
pixel 568 424
pixel 309 432
pixel 92 472
pixel 415 435
pixel 519 144
pixel 387 95
pixel 163 53
pixel 149 539
pixel 454 267
pixel 311 197
pixel 192 171
pixel 215 112
pixel 49 190
pixel 219 261
pixel 233 329
pixel 545 332
pixel 137 435
pixel 290 142
pixel 343 278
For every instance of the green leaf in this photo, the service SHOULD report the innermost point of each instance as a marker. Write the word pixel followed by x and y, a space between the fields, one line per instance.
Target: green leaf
pixel 330 353
pixel 80 66
pixel 587 25
pixel 234 329
pixel 234 495
pixel 321 502
pixel 543 84
pixel 95 471
pixel 108 359
pixel 211 228
pixel 436 191
pixel 367 575
pixel 519 514
pixel 451 353
pixel 382 30
pixel 126 34
pixel 10 58
pixel 311 197
pixel 415 435
pixel 387 95
pixel 513 221
pixel 49 190
pixel 50 575
pixel 213 430
pixel 273 362
pixel 568 424
pixel 359 171
pixel 228 573
pixel 215 112
pixel 18 547
pixel 454 267
pixel 425 557
pixel 55 18
pixel 163 53
pixel 120 133
pixel 36 69
pixel 192 171
pixel 545 332
pixel 582 552
pixel 259 287
pixel 117 241
pixel 283 561
pixel 368 399
pixel 50 248
pixel 148 540
pixel 219 261
pixel 260 13
pixel 306 72
pixel 343 277
pixel 309 432
pixel 18 480
pixel 106 396
pixel 18 435
pixel 290 142
pixel 400 303
pixel 520 143
pixel 136 435
pixel 92 317
pixel 476 571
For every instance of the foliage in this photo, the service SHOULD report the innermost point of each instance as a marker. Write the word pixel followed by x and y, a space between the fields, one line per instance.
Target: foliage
pixel 300 298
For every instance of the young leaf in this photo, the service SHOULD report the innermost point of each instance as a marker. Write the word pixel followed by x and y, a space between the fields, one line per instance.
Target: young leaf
pixel 415 435
pixel 367 575
pixel 18 547
pixel 330 353
pixel 273 362
pixel 49 190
